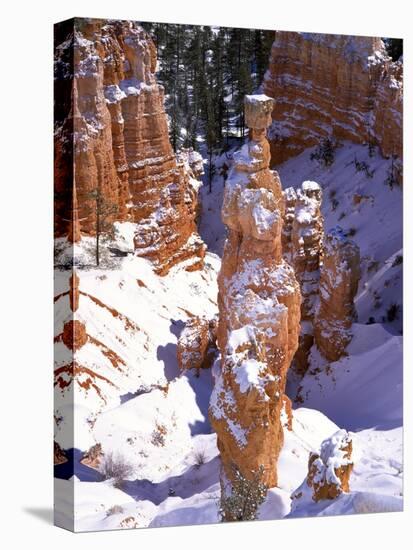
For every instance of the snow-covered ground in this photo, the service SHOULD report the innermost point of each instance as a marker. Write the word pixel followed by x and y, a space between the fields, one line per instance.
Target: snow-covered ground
pixel 155 418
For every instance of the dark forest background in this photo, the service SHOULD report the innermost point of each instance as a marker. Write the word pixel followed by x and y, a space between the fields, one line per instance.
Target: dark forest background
pixel 206 72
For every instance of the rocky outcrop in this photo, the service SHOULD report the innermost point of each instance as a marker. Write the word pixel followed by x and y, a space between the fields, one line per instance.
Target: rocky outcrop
pixel 197 344
pixel 59 456
pixel 259 311
pixel 328 471
pixel 93 457
pixel 307 231
pixel 290 199
pixel 339 279
pixel 326 85
pixel 111 138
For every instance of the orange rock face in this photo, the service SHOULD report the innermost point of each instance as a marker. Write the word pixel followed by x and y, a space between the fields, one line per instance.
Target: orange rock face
pixel 333 86
pixel 112 137
pixel 339 279
pixel 307 231
pixel 259 311
pixel 196 344
pixel 329 471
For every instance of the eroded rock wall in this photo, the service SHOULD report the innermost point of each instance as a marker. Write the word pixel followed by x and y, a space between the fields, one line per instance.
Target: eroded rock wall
pixel 111 138
pixel 338 86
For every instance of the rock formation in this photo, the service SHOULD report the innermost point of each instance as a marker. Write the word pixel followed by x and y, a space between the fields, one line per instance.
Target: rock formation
pixel 259 311
pixel 59 456
pixel 197 344
pixel 93 457
pixel 339 279
pixel 329 471
pixel 307 231
pixel 111 137
pixel 326 85
pixel 290 199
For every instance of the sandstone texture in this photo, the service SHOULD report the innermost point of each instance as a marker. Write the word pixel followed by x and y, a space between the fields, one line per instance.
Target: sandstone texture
pixel 259 311
pixel 339 278
pixel 307 232
pixel 328 471
pixel 111 138
pixel 337 86
pixel 197 344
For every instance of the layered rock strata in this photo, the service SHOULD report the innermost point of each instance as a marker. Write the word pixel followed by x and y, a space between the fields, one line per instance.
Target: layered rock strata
pixel 307 232
pixel 328 471
pixel 259 311
pixel 326 85
pixel 111 137
pixel 339 278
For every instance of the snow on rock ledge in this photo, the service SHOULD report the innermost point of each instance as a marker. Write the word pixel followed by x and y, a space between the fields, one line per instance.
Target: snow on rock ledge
pixel 328 472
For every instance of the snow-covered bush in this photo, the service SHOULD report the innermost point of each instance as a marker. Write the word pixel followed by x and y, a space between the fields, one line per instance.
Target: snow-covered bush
pixel 245 497
pixel 116 468
pixel 199 457
pixel 113 510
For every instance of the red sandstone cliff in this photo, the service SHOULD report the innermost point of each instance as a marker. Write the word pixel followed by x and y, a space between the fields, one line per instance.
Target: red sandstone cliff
pixel 259 311
pixel 111 138
pixel 333 85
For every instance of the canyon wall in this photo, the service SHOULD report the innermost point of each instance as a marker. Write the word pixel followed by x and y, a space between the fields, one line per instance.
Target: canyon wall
pixel 325 85
pixel 259 311
pixel 111 142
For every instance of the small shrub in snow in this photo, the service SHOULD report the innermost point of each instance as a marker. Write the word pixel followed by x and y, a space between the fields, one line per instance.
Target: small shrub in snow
pixel 334 204
pixel 200 457
pixel 116 509
pixel 373 266
pixel 245 498
pixel 362 166
pixel 351 232
pixel 392 312
pixel 117 468
pixel 342 216
pixel 158 436
pixel 397 260
pixel 325 152
pixel 394 175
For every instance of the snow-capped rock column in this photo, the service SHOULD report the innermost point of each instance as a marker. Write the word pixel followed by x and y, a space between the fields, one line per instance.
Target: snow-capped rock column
pixel 259 311
pixel 290 199
pixel 306 247
pixel 339 279
pixel 328 471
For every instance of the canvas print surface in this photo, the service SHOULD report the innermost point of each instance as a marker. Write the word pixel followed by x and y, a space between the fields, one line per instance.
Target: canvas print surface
pixel 228 274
